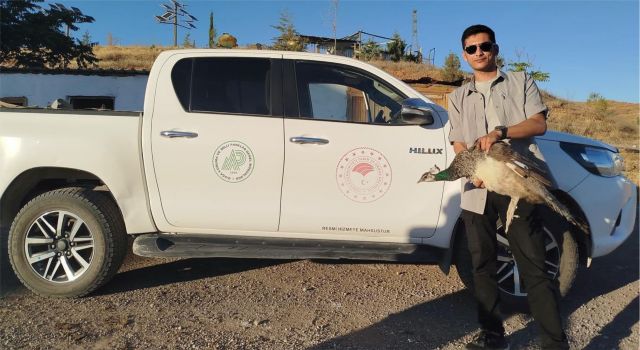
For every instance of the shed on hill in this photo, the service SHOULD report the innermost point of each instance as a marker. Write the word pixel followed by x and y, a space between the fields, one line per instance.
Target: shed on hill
pixel 320 44
pixel 347 46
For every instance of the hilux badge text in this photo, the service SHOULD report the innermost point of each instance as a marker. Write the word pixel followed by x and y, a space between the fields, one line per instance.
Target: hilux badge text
pixel 420 150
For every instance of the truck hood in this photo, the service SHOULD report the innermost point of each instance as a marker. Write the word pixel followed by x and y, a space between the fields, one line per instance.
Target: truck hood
pixel 570 138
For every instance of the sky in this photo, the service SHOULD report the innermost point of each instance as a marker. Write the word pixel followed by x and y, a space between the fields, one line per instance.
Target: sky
pixel 586 46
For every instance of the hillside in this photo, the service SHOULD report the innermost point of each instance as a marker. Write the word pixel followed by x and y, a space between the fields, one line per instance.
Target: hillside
pixel 609 121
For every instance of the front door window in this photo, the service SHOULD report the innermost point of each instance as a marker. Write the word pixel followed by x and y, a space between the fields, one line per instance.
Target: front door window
pixel 340 94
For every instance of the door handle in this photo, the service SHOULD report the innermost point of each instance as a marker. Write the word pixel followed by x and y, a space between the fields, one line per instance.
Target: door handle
pixel 308 140
pixel 172 134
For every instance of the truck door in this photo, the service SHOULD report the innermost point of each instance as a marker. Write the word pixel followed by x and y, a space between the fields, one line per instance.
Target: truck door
pixel 216 137
pixel 350 169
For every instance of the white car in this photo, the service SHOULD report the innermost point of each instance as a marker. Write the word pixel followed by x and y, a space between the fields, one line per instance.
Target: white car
pixel 264 154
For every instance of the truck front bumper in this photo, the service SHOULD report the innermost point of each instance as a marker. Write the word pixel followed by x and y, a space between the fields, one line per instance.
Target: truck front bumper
pixel 610 205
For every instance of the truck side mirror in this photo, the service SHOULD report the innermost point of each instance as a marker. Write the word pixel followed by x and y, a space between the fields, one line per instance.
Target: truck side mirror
pixel 415 111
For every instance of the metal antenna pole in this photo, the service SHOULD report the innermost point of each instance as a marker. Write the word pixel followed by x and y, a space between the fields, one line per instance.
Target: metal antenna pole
pixel 175 25
pixel 176 15
pixel 335 24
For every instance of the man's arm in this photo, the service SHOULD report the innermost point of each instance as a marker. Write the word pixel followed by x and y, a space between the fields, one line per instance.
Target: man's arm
pixel 533 126
pixel 459 146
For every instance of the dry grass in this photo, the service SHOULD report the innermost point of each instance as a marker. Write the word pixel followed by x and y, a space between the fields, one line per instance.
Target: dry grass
pixel 131 57
pixel 618 125
pixel 408 70
pixel 127 57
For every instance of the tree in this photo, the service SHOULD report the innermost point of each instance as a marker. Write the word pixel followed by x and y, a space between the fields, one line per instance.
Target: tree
pixel 212 32
pixel 370 50
pixel 86 38
pixel 451 70
pixel 524 64
pixel 187 42
pixel 227 41
pixel 598 104
pixel 396 47
pixel 289 39
pixel 527 67
pixel 31 36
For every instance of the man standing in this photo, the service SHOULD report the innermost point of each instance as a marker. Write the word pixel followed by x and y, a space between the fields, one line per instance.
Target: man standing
pixel 496 106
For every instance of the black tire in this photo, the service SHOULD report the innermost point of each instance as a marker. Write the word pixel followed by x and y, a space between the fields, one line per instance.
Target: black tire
pixel 565 253
pixel 100 242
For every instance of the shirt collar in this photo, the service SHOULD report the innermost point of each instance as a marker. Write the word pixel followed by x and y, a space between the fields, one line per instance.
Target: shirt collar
pixel 472 84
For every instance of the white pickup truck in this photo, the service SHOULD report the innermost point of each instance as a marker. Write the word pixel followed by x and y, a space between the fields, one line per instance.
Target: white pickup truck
pixel 260 154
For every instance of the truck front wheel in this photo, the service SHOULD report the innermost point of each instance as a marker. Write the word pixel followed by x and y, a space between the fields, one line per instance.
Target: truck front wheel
pixel 67 242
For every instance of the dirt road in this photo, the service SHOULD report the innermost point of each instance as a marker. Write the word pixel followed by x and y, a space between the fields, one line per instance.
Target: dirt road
pixel 266 304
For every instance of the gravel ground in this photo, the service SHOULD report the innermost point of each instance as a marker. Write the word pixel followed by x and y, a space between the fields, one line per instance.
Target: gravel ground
pixel 267 304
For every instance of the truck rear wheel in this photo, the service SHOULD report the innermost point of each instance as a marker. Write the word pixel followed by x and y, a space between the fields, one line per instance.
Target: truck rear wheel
pixel 67 242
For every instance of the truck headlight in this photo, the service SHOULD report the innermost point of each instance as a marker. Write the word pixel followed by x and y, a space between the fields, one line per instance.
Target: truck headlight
pixel 599 161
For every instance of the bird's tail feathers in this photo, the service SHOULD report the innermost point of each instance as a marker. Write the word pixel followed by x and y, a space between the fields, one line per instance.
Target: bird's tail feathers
pixel 552 202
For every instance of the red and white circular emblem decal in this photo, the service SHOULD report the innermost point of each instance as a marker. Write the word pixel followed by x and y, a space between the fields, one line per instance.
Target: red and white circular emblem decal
pixel 363 175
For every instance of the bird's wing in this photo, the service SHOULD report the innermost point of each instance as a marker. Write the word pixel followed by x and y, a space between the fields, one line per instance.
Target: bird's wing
pixel 521 164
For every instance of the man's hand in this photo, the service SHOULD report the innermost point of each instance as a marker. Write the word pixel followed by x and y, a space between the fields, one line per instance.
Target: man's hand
pixel 487 140
pixel 477 182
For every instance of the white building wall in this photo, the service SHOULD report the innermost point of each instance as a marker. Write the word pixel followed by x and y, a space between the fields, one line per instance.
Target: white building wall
pixel 41 89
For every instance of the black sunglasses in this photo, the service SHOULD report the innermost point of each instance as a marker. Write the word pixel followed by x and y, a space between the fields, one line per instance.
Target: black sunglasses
pixel 485 47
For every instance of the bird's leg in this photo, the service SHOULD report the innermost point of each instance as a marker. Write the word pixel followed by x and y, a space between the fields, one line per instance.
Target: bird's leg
pixel 513 205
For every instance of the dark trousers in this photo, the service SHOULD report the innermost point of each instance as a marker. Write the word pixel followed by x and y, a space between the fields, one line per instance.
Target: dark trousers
pixel 526 242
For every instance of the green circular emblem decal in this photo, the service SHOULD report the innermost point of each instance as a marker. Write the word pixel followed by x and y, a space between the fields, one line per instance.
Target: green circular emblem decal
pixel 233 161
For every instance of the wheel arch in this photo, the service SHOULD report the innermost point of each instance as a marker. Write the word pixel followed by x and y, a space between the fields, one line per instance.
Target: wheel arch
pixel 584 240
pixel 448 256
pixel 35 181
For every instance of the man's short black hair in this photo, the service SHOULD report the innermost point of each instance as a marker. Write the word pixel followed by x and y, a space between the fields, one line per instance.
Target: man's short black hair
pixel 476 29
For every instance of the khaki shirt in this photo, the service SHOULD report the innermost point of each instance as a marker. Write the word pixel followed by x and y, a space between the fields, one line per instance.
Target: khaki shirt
pixel 515 97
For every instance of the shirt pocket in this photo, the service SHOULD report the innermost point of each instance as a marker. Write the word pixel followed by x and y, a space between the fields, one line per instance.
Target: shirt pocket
pixel 514 108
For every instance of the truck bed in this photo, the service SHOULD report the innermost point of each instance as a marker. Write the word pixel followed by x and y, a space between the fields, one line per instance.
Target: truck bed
pixel 105 144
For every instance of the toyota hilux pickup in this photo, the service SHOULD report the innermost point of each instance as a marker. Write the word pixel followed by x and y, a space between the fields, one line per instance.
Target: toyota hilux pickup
pixel 265 154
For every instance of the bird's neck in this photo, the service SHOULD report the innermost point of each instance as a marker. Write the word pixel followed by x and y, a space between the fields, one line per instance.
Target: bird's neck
pixel 444 175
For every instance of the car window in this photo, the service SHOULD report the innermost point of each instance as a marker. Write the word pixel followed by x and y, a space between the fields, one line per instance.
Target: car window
pixel 181 80
pixel 334 92
pixel 224 85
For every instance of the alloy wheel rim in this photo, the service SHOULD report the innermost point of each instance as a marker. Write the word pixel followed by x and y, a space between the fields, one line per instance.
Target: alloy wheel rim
pixel 508 275
pixel 59 246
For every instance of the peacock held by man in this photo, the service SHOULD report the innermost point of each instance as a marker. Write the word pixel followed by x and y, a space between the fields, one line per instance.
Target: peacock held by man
pixel 507 172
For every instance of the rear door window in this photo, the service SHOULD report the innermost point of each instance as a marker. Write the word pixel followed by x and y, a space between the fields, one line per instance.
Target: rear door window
pixel 224 85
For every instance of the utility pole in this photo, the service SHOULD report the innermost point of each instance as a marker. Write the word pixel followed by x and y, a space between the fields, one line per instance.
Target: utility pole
pixel 416 43
pixel 175 25
pixel 174 13
pixel 335 24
